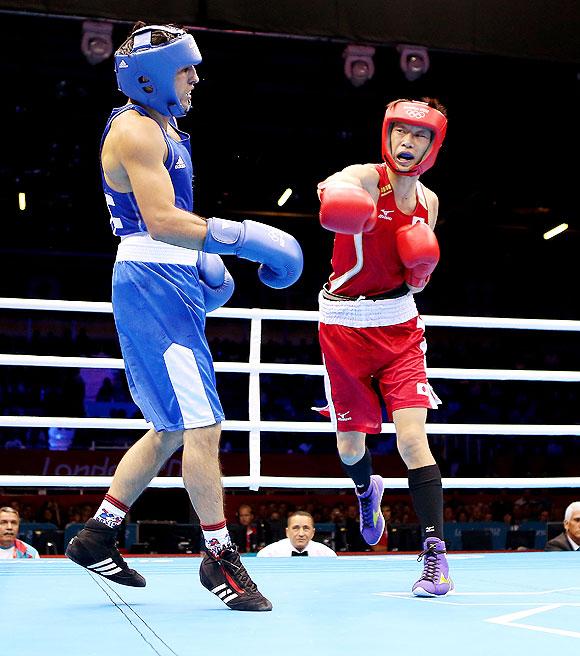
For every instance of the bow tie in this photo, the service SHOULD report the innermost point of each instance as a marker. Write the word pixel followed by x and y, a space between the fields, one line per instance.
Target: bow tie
pixel 300 553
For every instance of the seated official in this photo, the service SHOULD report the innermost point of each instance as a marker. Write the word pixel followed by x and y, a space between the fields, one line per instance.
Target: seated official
pixel 10 545
pixel 569 540
pixel 299 542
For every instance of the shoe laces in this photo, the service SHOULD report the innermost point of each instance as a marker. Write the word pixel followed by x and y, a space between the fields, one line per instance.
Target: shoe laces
pixel 366 505
pixel 431 568
pixel 239 572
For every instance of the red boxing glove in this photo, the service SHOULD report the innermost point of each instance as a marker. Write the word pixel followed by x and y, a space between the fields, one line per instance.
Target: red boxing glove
pixel 347 208
pixel 419 252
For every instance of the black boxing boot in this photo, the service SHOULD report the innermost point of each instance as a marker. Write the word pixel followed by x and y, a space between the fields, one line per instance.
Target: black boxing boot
pixel 95 548
pixel 227 578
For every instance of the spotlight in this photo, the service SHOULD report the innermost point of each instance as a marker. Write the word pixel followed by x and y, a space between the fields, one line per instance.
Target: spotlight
pixel 414 61
pixel 358 64
pixel 284 197
pixel 556 231
pixel 97 41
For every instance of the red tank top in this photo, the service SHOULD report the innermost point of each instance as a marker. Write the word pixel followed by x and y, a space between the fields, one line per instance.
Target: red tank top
pixel 367 264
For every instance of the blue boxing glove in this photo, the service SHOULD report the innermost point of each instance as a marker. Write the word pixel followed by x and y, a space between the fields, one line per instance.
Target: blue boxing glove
pixel 216 281
pixel 279 253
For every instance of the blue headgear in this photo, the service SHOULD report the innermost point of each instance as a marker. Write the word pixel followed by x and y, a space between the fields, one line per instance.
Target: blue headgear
pixel 154 68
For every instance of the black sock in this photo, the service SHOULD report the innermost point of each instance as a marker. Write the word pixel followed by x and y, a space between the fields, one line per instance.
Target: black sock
pixel 427 494
pixel 360 472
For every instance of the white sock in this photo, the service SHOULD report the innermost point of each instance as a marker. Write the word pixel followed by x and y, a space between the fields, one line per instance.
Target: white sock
pixel 111 512
pixel 216 537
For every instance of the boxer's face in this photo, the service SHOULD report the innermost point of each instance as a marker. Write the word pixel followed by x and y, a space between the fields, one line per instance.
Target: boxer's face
pixel 9 524
pixel 185 81
pixel 409 144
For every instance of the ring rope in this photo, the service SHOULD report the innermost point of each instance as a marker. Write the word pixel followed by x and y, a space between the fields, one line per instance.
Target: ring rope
pixel 18 421
pixel 290 482
pixel 299 315
pixel 257 367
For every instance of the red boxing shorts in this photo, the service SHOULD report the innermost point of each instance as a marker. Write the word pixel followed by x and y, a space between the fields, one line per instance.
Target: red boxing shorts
pixel 394 356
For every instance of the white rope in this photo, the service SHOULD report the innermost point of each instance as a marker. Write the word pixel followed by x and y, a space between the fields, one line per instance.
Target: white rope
pixel 300 315
pixel 256 367
pixel 289 482
pixel 528 430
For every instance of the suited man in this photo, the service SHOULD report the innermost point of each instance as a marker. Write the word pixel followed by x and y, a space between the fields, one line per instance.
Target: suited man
pixel 569 540
pixel 298 542
pixel 246 534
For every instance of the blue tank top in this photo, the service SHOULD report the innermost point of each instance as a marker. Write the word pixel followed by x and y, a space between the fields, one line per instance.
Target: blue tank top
pixel 126 217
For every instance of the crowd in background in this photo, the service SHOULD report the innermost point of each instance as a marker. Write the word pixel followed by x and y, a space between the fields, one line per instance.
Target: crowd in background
pixel 513 509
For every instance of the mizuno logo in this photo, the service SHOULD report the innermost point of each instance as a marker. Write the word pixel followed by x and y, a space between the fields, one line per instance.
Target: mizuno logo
pixel 444 580
pixel 180 164
pixel 342 416
pixel 384 214
pixel 376 514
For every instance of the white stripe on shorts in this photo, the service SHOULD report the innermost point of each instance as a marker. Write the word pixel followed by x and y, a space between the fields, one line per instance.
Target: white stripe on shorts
pixel 188 387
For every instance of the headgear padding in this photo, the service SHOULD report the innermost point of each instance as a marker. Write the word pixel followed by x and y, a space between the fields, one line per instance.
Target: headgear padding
pixel 147 73
pixel 414 112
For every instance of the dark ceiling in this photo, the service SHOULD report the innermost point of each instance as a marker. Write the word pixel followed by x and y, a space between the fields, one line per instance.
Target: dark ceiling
pixel 522 28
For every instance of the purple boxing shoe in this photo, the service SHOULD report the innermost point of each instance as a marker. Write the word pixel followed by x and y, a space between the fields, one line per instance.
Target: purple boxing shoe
pixel 435 580
pixel 372 522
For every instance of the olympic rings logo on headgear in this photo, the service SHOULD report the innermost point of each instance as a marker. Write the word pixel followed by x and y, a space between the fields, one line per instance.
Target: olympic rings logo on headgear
pixel 416 113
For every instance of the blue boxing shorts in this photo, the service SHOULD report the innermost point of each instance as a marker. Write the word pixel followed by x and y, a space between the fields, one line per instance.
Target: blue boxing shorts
pixel 160 317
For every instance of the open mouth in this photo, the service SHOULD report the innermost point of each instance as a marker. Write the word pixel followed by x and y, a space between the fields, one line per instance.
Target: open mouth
pixel 405 157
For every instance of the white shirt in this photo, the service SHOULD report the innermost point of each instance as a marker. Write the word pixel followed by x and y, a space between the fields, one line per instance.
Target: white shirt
pixel 10 552
pixel 574 546
pixel 284 548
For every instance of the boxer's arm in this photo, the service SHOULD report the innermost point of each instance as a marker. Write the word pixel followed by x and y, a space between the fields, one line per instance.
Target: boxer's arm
pixel 141 149
pixel 348 199
pixel 364 176
pixel 432 206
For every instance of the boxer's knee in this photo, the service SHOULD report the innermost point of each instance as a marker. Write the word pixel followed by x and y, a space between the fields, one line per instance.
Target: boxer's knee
pixel 351 446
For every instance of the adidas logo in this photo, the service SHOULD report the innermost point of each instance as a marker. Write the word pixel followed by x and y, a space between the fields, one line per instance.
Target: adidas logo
pixel 106 567
pixel 224 593
pixel 180 164
pixel 123 64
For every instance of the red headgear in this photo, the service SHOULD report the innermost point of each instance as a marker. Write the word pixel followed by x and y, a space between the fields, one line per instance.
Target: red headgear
pixel 414 112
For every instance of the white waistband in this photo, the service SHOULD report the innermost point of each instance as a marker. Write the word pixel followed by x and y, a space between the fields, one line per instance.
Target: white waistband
pixel 142 247
pixel 363 313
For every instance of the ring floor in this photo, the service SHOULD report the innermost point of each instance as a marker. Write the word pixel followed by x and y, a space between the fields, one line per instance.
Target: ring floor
pixel 505 603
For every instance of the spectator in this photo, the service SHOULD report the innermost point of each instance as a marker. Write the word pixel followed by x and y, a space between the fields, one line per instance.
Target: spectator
pixel 298 541
pixel 106 391
pixel 354 539
pixel 569 539
pixel 10 545
pixel 244 534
